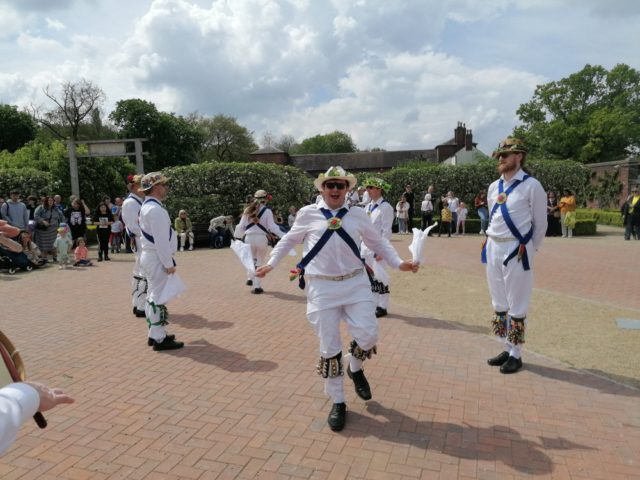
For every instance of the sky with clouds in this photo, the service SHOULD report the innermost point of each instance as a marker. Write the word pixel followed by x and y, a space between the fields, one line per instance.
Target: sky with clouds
pixel 395 74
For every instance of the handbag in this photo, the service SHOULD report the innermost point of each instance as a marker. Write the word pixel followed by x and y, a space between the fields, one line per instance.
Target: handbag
pixel 556 214
pixel 40 226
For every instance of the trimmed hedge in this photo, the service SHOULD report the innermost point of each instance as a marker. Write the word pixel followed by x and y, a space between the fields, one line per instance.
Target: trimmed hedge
pixel 585 227
pixel 601 217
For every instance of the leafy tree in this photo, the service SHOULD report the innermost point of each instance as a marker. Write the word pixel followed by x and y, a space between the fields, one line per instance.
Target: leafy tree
pixel 590 116
pixel 335 142
pixel 173 140
pixel 287 144
pixel 224 140
pixel 74 106
pixel 16 128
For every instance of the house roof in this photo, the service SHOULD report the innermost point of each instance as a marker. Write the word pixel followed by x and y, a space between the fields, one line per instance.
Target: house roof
pixel 264 150
pixel 359 161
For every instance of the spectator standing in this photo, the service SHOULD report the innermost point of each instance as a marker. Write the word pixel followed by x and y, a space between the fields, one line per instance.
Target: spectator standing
pixel 427 212
pixel 58 203
pixel 445 219
pixel 31 250
pixel 454 203
pixel 567 209
pixel 292 216
pixel 184 229
pixel 14 212
pixel 63 245
pixel 411 200
pixel 462 218
pixel 553 215
pixel 32 204
pixel 48 218
pixel 103 221
pixel 483 212
pixel 115 239
pixel 631 214
pixel 402 209
pixel 76 216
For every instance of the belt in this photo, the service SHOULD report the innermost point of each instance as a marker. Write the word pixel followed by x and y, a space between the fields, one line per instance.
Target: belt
pixel 340 278
pixel 500 239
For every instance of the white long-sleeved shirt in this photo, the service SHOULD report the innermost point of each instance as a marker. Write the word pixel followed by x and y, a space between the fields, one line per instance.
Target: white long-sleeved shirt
pixel 382 219
pixel 366 199
pixel 402 210
pixel 266 220
pixel 527 206
pixel 155 221
pixel 131 212
pixel 18 403
pixel 336 258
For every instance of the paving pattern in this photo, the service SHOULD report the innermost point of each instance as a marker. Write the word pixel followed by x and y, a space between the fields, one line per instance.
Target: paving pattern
pixel 242 399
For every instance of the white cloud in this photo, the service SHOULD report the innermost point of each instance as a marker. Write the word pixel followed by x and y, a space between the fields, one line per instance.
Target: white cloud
pixel 55 24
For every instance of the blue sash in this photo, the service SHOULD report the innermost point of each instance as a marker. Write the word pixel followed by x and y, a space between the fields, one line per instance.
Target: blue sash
pixel 323 241
pixel 145 234
pixel 259 216
pixel 376 206
pixel 521 250
pixel 129 232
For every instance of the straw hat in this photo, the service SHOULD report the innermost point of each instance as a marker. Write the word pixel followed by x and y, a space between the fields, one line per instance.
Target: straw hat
pixel 510 145
pixel 134 179
pixel 151 179
pixel 335 173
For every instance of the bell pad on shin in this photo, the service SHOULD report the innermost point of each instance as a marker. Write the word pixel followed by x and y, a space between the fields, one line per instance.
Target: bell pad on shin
pixel 499 324
pixel 330 367
pixel 516 331
pixel 361 354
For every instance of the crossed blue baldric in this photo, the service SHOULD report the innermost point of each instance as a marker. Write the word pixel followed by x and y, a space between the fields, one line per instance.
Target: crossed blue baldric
pixel 522 240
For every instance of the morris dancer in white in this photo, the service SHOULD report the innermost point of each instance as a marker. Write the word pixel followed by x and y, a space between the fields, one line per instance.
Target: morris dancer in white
pixel 517 226
pixel 256 223
pixel 130 213
pixel 159 243
pixel 339 288
pixel 382 214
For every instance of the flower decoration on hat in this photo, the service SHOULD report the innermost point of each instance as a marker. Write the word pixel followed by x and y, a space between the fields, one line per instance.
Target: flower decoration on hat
pixel 335 173
pixel 377 183
pixel 134 179
pixel 510 145
pixel 151 179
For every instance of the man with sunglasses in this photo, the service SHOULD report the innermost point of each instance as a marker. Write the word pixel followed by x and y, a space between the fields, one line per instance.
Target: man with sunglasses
pixel 517 227
pixel 159 242
pixel 382 215
pixel 339 286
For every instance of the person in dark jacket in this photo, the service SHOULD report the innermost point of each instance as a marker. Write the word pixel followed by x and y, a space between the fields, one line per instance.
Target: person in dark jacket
pixel 631 214
pixel 103 219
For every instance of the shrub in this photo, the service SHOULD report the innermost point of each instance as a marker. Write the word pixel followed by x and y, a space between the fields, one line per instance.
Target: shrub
pixel 601 217
pixel 585 227
pixel 28 181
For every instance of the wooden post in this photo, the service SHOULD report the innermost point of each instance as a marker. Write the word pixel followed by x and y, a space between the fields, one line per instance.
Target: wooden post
pixel 139 158
pixel 73 166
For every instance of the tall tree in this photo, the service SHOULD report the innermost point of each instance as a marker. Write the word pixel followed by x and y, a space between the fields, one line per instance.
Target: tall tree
pixel 73 107
pixel 335 142
pixel 267 139
pixel 287 143
pixel 225 140
pixel 16 128
pixel 591 116
pixel 173 140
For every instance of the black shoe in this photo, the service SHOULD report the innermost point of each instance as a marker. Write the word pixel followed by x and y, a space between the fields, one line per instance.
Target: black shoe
pixel 337 416
pixel 360 382
pixel 99 259
pixel 135 311
pixel 499 360
pixel 167 344
pixel 249 282
pixel 169 336
pixel 257 290
pixel 139 313
pixel 381 312
pixel 511 366
pixel 107 258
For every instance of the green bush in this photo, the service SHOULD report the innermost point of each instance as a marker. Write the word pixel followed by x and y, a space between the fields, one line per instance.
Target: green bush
pixel 601 217
pixel 207 190
pixel 28 181
pixel 585 227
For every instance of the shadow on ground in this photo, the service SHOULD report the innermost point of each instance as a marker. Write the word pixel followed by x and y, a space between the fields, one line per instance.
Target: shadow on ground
pixel 286 296
pixel 196 322
pixel 202 351
pixel 496 443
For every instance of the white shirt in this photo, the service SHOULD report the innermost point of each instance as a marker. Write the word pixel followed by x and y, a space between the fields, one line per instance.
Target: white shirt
pixel 130 213
pixel 402 210
pixel 527 206
pixel 353 198
pixel 382 219
pixel 453 203
pixel 18 403
pixel 336 258
pixel 366 199
pixel 427 206
pixel 155 221
pixel 266 220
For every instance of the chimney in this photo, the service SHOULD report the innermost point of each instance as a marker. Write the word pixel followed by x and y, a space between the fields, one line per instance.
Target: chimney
pixel 468 141
pixel 458 134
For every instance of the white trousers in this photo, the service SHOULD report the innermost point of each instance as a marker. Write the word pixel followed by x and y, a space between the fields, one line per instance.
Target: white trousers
pixel 357 311
pixel 183 238
pixel 259 245
pixel 511 285
pixel 383 299
pixel 156 280
pixel 138 287
pixel 564 228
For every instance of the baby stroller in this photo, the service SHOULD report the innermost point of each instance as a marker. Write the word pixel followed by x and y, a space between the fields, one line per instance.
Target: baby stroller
pixel 13 261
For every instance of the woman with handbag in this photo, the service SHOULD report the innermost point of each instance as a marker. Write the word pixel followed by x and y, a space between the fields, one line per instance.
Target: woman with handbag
pixel 567 209
pixel 48 218
pixel 553 216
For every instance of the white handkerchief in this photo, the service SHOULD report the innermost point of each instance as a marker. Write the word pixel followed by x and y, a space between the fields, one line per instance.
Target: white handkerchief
pixel 417 245
pixel 243 251
pixel 172 289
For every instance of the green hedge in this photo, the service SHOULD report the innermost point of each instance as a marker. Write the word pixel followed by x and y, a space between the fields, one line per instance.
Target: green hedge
pixel 28 181
pixel 601 217
pixel 583 226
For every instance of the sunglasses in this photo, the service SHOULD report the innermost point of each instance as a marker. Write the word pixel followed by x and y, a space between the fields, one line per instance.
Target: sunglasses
pixel 332 185
pixel 370 187
pixel 504 155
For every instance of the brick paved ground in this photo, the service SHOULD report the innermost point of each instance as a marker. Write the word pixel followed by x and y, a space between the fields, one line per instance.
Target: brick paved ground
pixel 241 400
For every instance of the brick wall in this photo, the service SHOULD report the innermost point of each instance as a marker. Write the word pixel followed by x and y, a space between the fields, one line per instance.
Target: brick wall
pixel 628 176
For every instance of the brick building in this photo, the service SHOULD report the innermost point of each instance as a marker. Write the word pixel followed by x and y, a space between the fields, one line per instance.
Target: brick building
pixel 629 176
